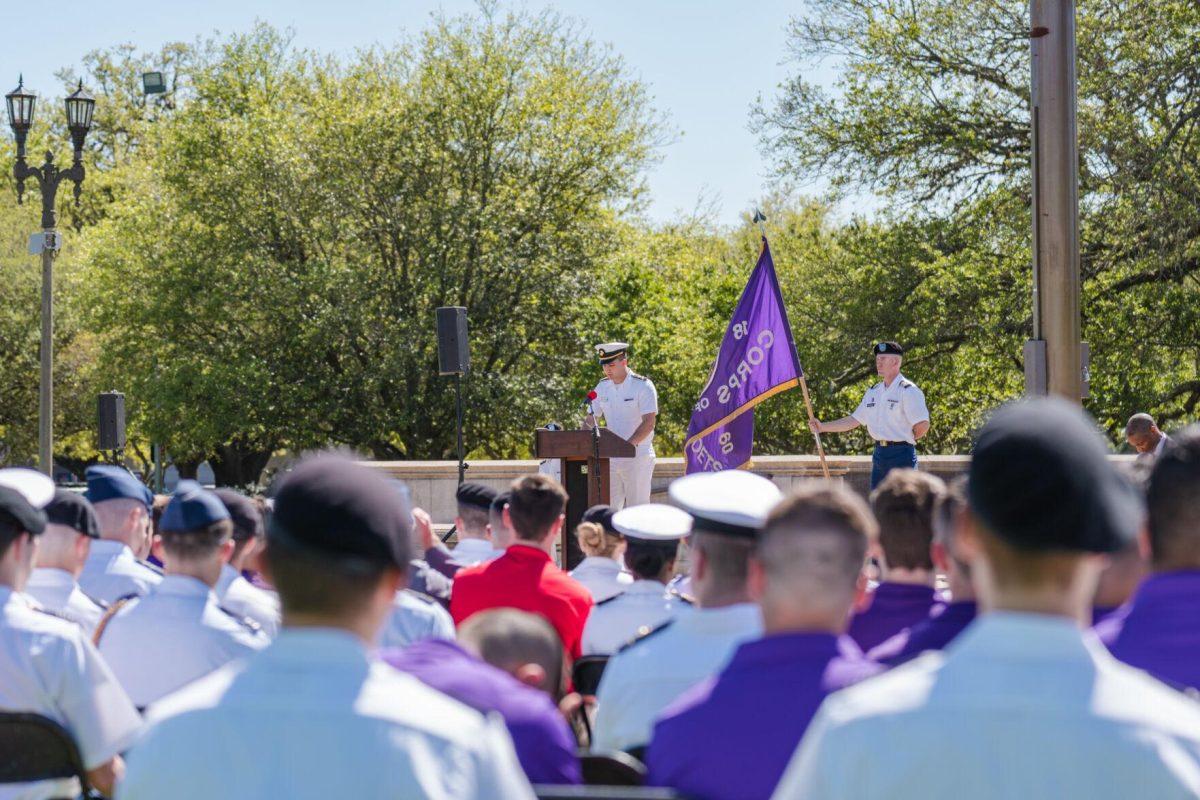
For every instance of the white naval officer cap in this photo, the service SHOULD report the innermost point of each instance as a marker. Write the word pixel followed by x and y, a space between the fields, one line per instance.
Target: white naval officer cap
pixel 36 488
pixel 653 522
pixel 732 502
pixel 611 351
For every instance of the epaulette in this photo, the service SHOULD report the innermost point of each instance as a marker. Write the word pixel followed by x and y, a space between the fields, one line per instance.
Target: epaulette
pixel 905 384
pixel 680 596
pixel 151 567
pixel 644 633
pixel 637 377
pixel 41 609
pixel 245 622
pixel 610 599
pixel 421 596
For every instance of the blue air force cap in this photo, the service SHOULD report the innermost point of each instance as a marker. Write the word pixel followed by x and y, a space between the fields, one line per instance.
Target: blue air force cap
pixel 192 508
pixel 110 482
pixel 1040 479
pixel 74 511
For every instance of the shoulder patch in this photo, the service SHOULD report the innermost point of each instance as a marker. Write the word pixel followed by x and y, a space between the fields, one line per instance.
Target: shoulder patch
pixel 610 599
pixel 644 633
pixel 245 622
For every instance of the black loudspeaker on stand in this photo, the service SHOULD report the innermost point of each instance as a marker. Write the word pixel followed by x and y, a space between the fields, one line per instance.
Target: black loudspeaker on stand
pixel 111 412
pixel 454 358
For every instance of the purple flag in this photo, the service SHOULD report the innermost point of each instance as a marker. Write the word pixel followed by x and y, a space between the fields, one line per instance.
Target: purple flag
pixel 757 359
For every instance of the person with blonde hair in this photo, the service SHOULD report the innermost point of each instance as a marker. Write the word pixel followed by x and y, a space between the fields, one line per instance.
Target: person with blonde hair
pixel 601 571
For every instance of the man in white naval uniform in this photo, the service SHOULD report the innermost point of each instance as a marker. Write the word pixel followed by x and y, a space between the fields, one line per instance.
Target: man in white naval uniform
pixel 628 403
pixel 62 551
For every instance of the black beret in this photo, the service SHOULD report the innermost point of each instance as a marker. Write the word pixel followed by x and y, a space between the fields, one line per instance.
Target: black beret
pixel 501 501
pixel 343 511
pixel 475 494
pixel 73 510
pixel 888 349
pixel 247 519
pixel 602 515
pixel 1040 479
pixel 15 509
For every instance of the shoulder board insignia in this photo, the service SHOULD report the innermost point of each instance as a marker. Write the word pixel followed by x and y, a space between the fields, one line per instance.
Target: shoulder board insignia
pixel 41 609
pixel 151 567
pixel 644 633
pixel 610 599
pixel 637 377
pixel 680 596
pixel 905 384
pixel 126 598
pixel 245 622
pixel 97 603
pixel 420 596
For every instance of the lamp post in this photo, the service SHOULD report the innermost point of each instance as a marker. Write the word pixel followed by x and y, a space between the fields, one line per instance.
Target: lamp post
pixel 79 105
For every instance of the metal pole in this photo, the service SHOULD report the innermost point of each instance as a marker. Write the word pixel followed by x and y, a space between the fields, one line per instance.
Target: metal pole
pixel 459 411
pixel 1056 194
pixel 46 390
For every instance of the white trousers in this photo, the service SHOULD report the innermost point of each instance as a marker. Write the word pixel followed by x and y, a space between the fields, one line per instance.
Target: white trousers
pixel 629 480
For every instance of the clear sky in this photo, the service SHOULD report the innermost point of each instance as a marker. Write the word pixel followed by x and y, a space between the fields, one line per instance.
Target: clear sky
pixel 705 62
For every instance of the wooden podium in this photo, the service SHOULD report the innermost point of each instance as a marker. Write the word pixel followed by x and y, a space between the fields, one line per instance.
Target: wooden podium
pixel 585 474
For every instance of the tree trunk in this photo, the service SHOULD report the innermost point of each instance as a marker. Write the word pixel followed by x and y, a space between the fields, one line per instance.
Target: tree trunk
pixel 238 465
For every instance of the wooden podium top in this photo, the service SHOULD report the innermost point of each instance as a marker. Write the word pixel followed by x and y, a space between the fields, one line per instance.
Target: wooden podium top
pixel 578 444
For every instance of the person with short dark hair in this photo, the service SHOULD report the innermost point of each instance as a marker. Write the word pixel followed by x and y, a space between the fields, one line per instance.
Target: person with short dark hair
pixel 1159 630
pixel 731 736
pixel 48 666
pixel 62 551
pixel 945 622
pixel 601 571
pixel 903 503
pixel 1143 435
pixel 314 714
pixel 1025 703
pixel 525 577
pixel 179 632
pixel 115 567
pixel 509 662
pixel 234 592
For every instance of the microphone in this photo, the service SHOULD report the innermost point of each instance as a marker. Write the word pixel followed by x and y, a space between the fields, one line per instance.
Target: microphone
pixel 586 405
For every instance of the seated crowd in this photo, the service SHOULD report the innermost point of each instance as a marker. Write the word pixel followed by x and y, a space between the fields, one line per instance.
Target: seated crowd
pixel 1030 630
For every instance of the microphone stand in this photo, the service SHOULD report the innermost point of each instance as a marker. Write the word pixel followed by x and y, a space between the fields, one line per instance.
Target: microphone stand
pixel 596 453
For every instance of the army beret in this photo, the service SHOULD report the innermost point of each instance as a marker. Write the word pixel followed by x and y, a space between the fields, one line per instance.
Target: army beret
pixel 111 482
pixel 1040 479
pixel 192 508
pixel 247 519
pixel 342 511
pixel 74 511
pixel 888 349
pixel 602 515
pixel 475 494
pixel 18 511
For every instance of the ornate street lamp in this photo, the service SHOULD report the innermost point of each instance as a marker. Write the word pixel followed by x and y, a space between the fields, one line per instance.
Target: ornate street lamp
pixel 79 105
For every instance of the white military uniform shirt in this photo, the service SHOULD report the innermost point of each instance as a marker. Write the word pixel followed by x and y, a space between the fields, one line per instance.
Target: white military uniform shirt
pixel 617 621
pixel 239 596
pixel 414 618
pixel 622 406
pixel 470 552
pixel 1018 706
pixel 172 636
pixel 49 667
pixel 602 576
pixel 641 680
pixel 111 572
pixel 56 590
pixel 890 412
pixel 311 716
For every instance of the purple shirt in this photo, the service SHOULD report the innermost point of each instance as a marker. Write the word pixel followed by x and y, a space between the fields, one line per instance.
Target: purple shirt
pixel 732 735
pixel 1159 629
pixel 543 741
pixel 932 633
pixel 894 607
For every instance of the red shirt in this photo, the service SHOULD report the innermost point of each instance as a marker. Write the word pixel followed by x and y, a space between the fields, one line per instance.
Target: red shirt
pixel 524 578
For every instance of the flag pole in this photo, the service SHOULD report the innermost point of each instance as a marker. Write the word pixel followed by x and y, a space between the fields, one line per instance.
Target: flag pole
pixel 760 218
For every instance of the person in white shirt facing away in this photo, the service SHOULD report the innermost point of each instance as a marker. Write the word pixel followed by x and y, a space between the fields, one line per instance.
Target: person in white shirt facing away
pixel 236 594
pixel 62 551
pixel 601 570
pixel 1024 702
pixel 473 501
pixel 177 633
pixel 115 567
pixel 315 715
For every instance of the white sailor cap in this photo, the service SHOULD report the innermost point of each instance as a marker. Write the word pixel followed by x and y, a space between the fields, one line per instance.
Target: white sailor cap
pixel 36 488
pixel 653 522
pixel 611 351
pixel 732 502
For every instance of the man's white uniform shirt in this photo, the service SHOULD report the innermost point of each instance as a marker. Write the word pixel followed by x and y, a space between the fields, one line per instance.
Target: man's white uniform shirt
pixel 49 667
pixel 615 622
pixel 56 590
pixel 311 716
pixel 1018 706
pixel 470 552
pixel 602 576
pixel 239 596
pixel 172 636
pixel 622 406
pixel 890 412
pixel 641 680
pixel 414 618
pixel 111 572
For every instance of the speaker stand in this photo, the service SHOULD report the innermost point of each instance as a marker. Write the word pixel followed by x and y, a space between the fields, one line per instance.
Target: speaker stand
pixel 462 464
